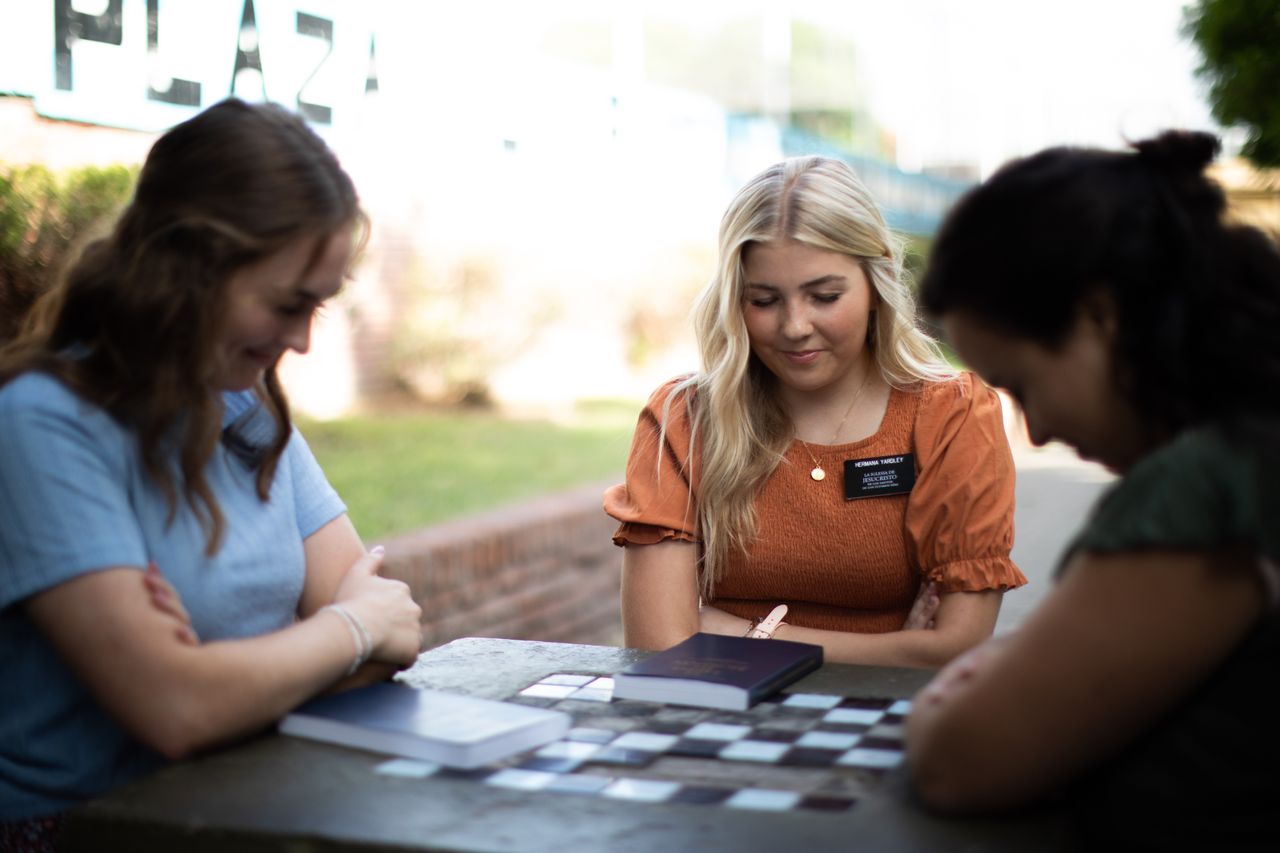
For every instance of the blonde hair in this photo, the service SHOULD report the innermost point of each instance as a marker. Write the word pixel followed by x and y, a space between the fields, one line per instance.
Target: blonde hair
pixel 741 426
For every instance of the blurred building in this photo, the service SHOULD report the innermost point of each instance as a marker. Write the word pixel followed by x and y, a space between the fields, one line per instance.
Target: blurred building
pixel 1253 194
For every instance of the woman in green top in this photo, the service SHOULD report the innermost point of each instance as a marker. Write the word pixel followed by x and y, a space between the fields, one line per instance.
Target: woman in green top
pixel 1110 297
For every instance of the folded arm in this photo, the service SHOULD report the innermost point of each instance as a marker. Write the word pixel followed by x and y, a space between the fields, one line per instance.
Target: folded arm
pixel 1121 639
pixel 660 608
pixel 962 620
pixel 959 621
pixel 178 696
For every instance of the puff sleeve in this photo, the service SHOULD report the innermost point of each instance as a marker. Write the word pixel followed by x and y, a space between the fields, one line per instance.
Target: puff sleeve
pixel 657 500
pixel 64 502
pixel 959 520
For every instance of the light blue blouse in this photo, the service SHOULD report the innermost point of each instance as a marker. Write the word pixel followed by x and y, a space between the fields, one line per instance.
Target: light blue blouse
pixel 74 499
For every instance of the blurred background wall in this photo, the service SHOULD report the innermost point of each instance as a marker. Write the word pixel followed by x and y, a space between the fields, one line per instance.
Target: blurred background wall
pixel 545 180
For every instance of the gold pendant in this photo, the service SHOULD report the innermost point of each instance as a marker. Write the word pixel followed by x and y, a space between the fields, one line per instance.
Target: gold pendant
pixel 817 473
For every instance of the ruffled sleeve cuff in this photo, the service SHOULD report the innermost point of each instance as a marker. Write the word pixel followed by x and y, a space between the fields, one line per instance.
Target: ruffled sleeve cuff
pixel 980 574
pixel 619 504
pixel 648 534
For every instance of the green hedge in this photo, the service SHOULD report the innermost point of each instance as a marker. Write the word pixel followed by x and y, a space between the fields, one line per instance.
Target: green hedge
pixel 44 218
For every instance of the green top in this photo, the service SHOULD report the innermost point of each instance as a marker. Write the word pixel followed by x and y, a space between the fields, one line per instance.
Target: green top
pixel 1206 489
pixel 1204 775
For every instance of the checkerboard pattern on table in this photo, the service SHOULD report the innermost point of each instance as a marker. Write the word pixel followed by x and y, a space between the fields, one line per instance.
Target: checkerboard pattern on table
pixel 798 751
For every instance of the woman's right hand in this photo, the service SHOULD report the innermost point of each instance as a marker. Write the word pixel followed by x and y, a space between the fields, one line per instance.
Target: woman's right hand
pixel 166 599
pixel 386 609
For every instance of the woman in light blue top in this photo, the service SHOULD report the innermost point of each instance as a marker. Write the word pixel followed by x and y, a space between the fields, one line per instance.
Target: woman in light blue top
pixel 142 424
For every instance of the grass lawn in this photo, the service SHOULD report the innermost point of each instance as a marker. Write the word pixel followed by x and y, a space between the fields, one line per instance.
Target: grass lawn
pixel 399 472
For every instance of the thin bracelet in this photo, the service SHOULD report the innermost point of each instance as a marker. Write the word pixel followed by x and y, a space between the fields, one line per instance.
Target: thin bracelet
pixel 359 634
pixel 366 647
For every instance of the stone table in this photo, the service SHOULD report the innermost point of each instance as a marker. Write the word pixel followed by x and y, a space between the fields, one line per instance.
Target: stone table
pixel 277 793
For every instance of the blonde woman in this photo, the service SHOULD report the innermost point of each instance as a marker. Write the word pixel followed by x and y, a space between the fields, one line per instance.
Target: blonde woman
pixel 825 458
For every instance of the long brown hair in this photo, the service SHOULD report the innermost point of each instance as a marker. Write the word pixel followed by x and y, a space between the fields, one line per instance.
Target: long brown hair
pixel 132 326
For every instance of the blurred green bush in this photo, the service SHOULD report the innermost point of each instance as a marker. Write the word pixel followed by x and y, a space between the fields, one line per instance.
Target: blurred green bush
pixel 1239 43
pixel 45 217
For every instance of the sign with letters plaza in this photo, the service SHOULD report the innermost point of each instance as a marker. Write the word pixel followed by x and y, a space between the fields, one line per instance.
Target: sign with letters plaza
pixel 148 64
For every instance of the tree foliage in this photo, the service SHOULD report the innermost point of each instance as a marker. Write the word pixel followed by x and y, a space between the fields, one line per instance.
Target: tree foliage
pixel 1239 41
pixel 44 217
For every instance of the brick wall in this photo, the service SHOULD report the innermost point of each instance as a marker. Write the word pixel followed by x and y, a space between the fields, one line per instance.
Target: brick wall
pixel 542 570
pixel 29 138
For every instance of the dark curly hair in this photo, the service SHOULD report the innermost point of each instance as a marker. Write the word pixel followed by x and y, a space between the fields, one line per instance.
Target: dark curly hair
pixel 1197 298
pixel 133 324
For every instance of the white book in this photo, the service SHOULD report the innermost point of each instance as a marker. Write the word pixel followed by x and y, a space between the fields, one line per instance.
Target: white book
pixel 431 725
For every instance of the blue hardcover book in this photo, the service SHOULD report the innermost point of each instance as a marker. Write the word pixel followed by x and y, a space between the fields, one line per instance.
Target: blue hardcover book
pixel 447 728
pixel 715 671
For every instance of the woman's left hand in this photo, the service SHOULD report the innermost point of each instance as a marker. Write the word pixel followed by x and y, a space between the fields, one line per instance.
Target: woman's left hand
pixel 923 609
pixel 165 599
pixel 713 620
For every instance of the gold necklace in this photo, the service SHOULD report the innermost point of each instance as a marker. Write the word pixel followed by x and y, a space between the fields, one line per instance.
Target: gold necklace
pixel 817 473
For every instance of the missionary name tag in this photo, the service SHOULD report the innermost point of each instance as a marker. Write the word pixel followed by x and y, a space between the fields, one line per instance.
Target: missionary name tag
pixel 884 475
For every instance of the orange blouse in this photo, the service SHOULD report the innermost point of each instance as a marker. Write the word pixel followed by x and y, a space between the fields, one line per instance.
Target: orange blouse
pixel 847 565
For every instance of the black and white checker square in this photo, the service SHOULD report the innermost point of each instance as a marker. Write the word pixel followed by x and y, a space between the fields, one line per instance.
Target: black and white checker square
pixel 613 737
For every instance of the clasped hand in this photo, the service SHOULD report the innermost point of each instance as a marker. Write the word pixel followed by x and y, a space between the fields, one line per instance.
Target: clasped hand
pixel 384 606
